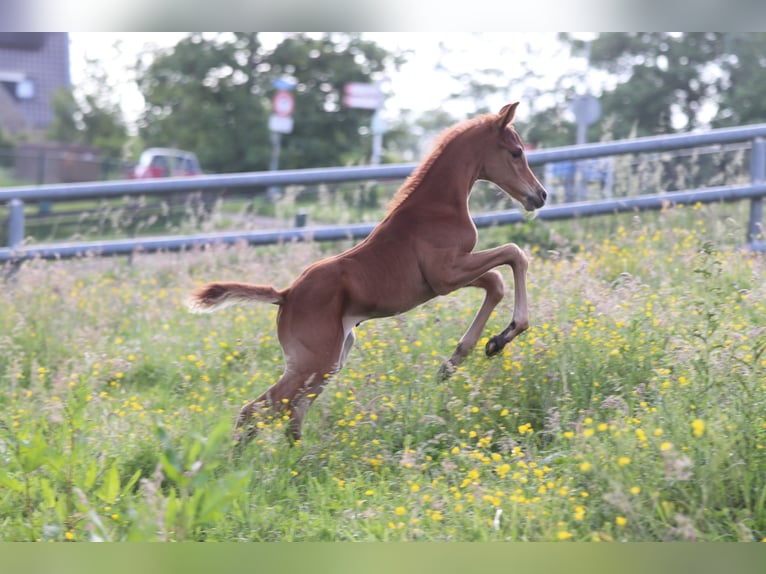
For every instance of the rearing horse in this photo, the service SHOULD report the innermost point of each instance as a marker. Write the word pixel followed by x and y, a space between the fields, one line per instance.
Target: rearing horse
pixel 423 248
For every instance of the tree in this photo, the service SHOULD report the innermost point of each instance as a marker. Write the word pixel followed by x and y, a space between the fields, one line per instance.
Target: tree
pixel 409 138
pixel 326 132
pixel 660 81
pixel 744 83
pixel 548 128
pixel 91 117
pixel 212 95
pixel 543 120
pixel 199 96
pixel 663 82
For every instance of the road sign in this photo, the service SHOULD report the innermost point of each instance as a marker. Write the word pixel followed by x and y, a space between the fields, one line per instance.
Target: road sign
pixel 362 90
pixel 361 95
pixel 587 109
pixel 283 104
pixel 280 124
pixel 283 84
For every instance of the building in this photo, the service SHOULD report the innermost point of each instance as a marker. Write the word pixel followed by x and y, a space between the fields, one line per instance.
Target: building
pixel 33 65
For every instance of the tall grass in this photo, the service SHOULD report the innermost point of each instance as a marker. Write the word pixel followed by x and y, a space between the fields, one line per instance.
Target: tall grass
pixel 633 409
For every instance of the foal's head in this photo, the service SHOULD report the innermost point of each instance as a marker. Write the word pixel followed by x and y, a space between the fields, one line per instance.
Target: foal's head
pixel 505 163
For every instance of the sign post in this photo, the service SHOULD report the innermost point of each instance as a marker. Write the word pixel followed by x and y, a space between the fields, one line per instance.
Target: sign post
pixel 587 111
pixel 280 122
pixel 368 97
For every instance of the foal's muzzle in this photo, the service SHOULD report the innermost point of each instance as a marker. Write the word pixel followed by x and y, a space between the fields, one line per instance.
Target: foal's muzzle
pixel 536 200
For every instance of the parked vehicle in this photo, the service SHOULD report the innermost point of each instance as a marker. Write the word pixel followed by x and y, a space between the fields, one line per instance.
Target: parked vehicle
pixel 166 162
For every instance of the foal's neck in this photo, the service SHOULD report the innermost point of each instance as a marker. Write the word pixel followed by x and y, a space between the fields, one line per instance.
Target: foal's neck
pixel 446 177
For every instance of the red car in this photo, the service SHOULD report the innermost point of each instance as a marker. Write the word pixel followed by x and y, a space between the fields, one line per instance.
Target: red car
pixel 166 162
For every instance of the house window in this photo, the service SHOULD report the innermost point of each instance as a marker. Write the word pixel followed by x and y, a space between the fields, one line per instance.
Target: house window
pixel 18 86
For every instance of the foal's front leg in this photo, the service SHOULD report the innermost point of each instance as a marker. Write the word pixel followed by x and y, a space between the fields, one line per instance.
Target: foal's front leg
pixel 447 273
pixel 520 318
pixel 493 285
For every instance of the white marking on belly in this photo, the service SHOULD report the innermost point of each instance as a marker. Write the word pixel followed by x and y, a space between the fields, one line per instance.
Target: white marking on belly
pixel 349 322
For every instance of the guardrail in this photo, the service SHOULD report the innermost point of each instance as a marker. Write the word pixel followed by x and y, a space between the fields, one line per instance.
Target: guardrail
pixel 15 197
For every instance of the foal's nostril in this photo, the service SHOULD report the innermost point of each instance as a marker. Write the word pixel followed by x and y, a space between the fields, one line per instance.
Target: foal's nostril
pixel 543 194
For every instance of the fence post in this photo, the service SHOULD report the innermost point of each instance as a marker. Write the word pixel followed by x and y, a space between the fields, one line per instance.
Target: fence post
pixel 757 175
pixel 15 223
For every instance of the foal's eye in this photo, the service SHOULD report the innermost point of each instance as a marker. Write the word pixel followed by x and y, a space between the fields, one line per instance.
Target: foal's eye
pixel 516 154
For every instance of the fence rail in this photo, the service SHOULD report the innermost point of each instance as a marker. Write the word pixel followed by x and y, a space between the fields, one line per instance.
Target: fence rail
pixel 16 196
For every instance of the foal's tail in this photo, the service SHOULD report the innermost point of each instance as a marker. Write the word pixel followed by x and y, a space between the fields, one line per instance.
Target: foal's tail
pixel 217 295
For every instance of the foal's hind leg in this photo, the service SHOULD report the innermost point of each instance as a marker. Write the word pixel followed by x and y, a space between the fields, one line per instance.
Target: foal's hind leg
pixel 289 397
pixel 494 286
pixel 312 355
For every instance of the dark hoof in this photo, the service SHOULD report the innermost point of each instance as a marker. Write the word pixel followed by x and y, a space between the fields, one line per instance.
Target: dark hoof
pixel 243 434
pixel 238 443
pixel 494 345
pixel 446 370
pixel 239 440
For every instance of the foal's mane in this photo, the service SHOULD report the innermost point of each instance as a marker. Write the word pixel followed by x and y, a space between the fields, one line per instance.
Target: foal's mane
pixel 440 143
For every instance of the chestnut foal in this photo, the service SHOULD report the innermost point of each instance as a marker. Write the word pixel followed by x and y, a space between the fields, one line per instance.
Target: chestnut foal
pixel 423 248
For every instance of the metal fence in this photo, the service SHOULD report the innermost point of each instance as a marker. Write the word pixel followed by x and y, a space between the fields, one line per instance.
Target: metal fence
pixel 753 191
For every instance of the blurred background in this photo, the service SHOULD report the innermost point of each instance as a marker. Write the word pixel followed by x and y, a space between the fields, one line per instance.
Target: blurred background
pixel 101 106
pixel 118 94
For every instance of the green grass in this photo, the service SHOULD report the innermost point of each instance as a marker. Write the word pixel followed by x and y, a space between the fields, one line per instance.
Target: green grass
pixel 633 409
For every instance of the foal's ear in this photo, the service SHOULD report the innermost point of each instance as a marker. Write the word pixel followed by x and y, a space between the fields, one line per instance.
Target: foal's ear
pixel 505 116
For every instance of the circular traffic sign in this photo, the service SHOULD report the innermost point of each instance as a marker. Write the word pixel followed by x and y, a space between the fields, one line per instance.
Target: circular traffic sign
pixel 587 109
pixel 283 104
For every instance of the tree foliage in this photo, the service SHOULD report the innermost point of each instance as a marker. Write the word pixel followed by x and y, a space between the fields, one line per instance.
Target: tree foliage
pixel 662 80
pixel 212 95
pixel 666 82
pixel 90 118
pixel 410 136
pixel 744 84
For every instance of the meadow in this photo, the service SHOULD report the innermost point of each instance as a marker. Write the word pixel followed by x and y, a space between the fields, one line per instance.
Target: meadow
pixel 634 408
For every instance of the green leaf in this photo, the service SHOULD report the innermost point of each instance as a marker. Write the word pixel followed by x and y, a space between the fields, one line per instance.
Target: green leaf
pixel 172 470
pixel 162 434
pixel 91 473
pixel 10 482
pixel 169 459
pixel 49 495
pixel 110 487
pixel 194 451
pixel 217 497
pixel 131 483
pixel 35 454
pixel 222 433
pixel 172 507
